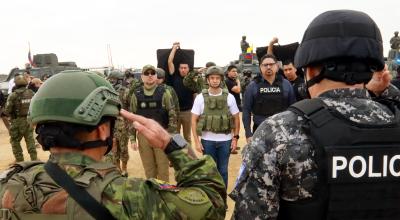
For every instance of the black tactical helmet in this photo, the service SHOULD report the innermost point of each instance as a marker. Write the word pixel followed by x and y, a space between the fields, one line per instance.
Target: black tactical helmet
pixel 341 35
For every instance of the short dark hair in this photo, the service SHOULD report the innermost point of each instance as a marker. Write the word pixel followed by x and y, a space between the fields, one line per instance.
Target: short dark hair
pixel 63 134
pixel 231 67
pixel 288 62
pixel 184 63
pixel 268 56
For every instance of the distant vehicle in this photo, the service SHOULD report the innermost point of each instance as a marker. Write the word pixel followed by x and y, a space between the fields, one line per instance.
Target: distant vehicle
pixel 247 61
pixel 45 64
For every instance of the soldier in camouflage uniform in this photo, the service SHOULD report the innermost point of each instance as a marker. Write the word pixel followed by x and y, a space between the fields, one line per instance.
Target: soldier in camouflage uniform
pixel 17 108
pixel 195 82
pixel 153 101
pixel 78 132
pixel 285 172
pixel 170 89
pixel 245 80
pixel 2 115
pixel 120 155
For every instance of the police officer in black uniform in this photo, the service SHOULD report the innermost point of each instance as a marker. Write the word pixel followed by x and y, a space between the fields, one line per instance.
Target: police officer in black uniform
pixel 268 94
pixel 334 156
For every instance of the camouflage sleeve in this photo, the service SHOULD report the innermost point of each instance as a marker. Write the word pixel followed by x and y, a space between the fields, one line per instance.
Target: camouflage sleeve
pixel 192 82
pixel 168 104
pixel 175 98
pixel 256 190
pixel 132 108
pixel 126 103
pixel 199 193
pixel 10 104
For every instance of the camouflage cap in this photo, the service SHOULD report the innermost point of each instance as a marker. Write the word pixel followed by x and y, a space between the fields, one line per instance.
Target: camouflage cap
pixel 148 67
pixel 160 73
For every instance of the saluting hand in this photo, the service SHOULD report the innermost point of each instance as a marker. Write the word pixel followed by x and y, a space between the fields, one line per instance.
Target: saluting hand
pixel 380 81
pixel 156 135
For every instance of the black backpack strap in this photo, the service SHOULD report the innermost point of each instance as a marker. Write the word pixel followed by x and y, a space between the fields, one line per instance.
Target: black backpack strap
pixel 314 110
pixel 78 193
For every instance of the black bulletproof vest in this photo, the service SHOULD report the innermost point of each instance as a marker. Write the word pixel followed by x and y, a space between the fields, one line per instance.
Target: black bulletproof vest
pixel 269 99
pixel 151 106
pixel 358 168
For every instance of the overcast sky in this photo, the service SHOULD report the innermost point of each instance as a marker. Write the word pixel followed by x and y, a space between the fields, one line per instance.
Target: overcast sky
pixel 80 30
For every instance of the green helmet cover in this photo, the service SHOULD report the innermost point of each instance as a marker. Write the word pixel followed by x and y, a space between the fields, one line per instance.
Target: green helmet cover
pixel 215 70
pixel 74 97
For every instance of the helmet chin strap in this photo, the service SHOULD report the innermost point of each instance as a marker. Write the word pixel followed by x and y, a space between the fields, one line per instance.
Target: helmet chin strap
pixel 350 73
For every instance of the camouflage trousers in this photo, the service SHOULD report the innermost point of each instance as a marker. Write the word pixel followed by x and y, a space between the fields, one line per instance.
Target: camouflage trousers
pixel 155 161
pixel 120 150
pixel 21 128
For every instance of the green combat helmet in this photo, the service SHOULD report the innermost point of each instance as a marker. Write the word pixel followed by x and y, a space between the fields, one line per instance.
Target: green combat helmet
pixel 215 70
pixel 91 99
pixel 160 73
pixel 20 80
pixel 60 111
pixel 116 74
pixel 116 78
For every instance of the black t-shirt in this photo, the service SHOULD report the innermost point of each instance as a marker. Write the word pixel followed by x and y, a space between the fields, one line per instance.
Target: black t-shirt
pixel 230 83
pixel 297 84
pixel 185 95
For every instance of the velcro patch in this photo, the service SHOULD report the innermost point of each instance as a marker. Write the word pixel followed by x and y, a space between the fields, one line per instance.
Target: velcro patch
pixel 162 185
pixel 193 196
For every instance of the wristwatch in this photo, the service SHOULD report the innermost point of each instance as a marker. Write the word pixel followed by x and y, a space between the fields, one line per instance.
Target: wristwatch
pixel 236 137
pixel 177 142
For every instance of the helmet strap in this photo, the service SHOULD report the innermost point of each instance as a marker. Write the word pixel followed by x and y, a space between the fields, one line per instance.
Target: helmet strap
pixel 350 73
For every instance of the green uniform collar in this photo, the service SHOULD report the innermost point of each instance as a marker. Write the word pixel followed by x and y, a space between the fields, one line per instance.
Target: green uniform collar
pixel 72 158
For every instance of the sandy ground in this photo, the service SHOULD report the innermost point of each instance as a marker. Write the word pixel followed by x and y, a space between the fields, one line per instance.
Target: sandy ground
pixel 134 165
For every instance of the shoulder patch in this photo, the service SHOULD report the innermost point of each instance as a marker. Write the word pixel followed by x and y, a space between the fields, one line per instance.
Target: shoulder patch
pixel 193 196
pixel 162 185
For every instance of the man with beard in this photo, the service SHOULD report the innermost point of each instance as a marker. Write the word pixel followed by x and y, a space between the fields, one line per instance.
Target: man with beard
pixel 152 101
pixel 266 95
pixel 331 156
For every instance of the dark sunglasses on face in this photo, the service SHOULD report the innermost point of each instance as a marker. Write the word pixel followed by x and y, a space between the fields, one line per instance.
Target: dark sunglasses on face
pixel 149 73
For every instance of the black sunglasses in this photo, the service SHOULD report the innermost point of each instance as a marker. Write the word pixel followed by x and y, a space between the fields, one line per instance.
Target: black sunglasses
pixel 147 73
